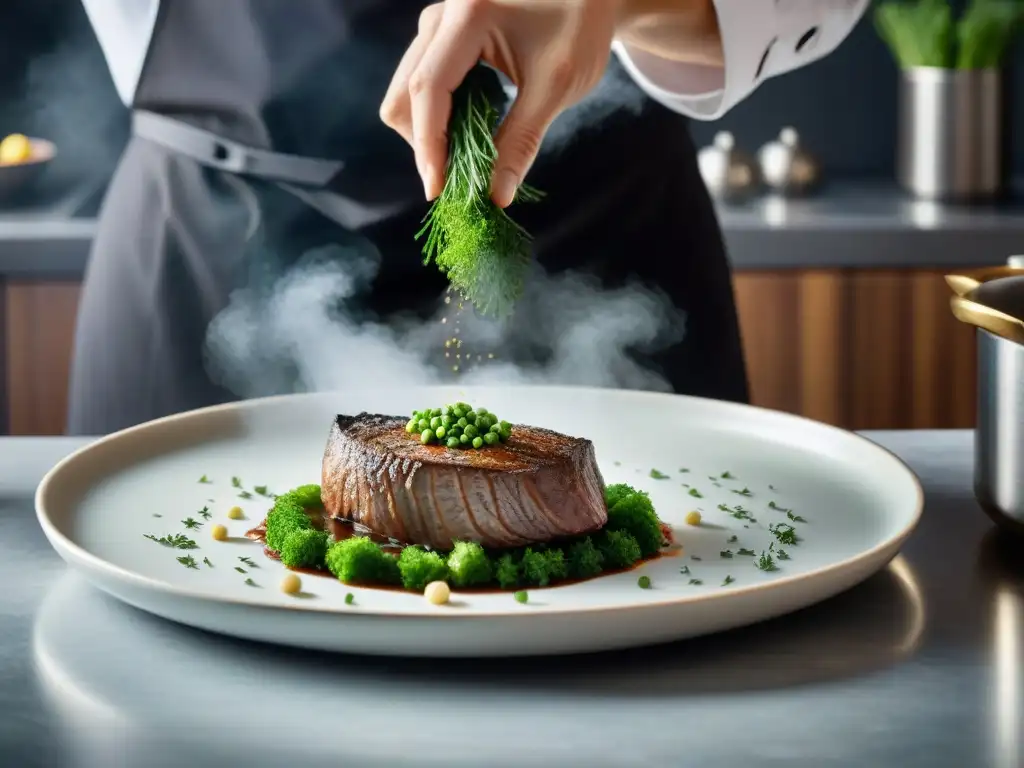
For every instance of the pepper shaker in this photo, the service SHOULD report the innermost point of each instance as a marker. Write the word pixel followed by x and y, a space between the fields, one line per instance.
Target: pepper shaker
pixel 730 174
pixel 788 168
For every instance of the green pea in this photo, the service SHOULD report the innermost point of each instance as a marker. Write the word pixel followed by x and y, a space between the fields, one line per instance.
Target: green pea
pixel 462 422
pixel 482 411
pixel 440 433
pixel 436 412
pixel 464 438
pixel 505 426
pixel 478 442
pixel 521 597
pixel 455 430
pixel 453 442
pixel 644 582
pixel 435 422
pixel 471 430
pixel 447 421
pixel 457 412
pixel 427 436
pixel 491 439
pixel 464 406
pixel 411 426
pixel 470 416
pixel 423 424
pixel 495 428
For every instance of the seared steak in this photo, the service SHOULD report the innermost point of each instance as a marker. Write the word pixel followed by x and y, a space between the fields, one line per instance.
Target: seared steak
pixel 537 486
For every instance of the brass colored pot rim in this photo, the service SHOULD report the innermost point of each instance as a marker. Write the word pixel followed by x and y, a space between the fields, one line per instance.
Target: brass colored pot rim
pixel 992 320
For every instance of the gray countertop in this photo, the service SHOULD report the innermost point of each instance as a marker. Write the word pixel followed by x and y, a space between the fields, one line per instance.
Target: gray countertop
pixel 921 666
pixel 848 224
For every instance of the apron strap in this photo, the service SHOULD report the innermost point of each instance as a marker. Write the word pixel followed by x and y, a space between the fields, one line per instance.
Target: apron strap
pixel 209 149
pixel 303 177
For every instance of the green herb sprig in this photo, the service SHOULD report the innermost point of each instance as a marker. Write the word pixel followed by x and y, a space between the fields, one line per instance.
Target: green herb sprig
pixel 483 252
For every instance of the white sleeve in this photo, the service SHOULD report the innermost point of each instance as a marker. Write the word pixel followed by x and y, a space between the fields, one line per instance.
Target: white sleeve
pixel 760 39
pixel 124 29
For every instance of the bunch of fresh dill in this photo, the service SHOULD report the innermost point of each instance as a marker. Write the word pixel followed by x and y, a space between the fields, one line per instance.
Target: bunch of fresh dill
pixel 484 253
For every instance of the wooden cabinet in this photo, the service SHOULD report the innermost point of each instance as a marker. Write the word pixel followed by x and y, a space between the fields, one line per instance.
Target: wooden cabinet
pixel 862 349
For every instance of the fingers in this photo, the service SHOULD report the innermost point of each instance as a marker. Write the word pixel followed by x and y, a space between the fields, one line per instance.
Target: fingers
pixel 395 110
pixel 452 52
pixel 519 139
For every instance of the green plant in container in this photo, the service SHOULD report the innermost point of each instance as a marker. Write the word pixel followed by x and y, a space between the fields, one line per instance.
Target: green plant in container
pixel 927 33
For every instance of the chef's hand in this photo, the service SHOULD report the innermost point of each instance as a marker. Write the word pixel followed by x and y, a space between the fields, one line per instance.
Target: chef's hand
pixel 555 51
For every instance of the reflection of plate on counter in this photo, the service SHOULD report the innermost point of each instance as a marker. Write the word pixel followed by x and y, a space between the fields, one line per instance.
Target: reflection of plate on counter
pixel 22 159
pixel 139 684
pixel 752 473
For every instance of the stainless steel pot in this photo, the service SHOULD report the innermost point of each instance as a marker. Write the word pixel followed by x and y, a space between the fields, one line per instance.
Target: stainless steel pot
pixel 993 302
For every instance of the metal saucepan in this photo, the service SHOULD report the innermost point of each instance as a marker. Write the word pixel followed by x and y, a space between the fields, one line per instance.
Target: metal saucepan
pixel 992 300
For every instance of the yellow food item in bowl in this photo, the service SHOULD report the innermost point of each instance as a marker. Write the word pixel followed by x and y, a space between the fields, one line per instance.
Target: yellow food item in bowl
pixel 16 148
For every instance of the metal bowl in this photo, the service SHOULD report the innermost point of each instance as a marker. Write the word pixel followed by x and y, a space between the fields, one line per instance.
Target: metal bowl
pixel 17 177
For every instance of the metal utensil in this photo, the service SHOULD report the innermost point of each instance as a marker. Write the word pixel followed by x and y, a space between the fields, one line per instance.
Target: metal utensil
pixel 995 307
pixel 729 173
pixel 787 167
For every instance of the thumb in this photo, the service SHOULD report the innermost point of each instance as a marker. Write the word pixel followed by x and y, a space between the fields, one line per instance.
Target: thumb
pixel 518 141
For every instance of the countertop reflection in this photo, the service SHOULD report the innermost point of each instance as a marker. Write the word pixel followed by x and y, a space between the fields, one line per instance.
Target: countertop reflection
pixel 919 666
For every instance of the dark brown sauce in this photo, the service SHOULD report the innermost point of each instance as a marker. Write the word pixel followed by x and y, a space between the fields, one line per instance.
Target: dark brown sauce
pixel 346 529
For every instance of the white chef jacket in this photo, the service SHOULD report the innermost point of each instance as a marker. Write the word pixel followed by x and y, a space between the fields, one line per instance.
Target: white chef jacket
pixel 760 39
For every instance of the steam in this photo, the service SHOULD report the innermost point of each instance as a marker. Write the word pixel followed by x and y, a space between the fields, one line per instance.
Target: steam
pixel 306 335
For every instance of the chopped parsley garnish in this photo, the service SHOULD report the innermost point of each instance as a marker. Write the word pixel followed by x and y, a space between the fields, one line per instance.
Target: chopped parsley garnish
pixel 728 580
pixel 349 599
pixel 694 557
pixel 205 480
pixel 240 570
pixel 738 512
pixel 728 475
pixel 644 582
pixel 191 522
pixel 204 513
pixel 156 515
pixel 743 492
pixel 732 538
pixel 685 570
pixel 696 582
pixel 178 541
pixel 785 534
pixel 795 518
pixel 236 482
pixel 771 487
pixel 188 561
pixel 245 495
pixel 247 561
pixel 658 475
pixel 617 463
pixel 207 563
pixel 746 552
pixel 776 507
pixel 782 554
pixel 260 489
pixel 684 470
pixel 251 583
pixel 696 494
pixel 725 553
pixel 766 562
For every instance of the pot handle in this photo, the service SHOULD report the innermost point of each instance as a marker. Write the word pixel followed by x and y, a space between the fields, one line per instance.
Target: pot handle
pixel 986 318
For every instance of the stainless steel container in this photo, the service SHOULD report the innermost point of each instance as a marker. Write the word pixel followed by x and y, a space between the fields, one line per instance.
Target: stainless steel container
pixel 993 302
pixel 951 133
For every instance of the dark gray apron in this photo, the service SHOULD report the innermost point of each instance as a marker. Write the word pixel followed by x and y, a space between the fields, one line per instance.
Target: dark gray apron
pixel 256 140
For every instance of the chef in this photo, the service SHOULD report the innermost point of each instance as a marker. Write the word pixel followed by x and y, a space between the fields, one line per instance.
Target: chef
pixel 264 129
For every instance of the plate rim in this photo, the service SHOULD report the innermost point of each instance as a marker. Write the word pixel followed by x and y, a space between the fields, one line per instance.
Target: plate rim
pixel 67 548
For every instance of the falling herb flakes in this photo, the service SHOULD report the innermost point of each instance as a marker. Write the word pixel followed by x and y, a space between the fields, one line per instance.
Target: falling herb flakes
pixel 777 508
pixel 204 513
pixel 746 552
pixel 727 475
pixel 251 583
pixel 696 582
pixel 785 534
pixel 795 518
pixel 683 470
pixel 771 488
pixel 656 474
pixel 738 512
pixel 207 563
pixel 732 539
pixel 236 482
pixel 782 554
pixel 727 581
pixel 685 570
pixel 694 557
pixel 696 494
pixel 205 480
pixel 156 515
pixel 240 570
pixel 766 562
pixel 189 562
pixel 247 561
pixel 261 490
pixel 725 553
pixel 177 541
pixel 244 495
pixel 744 492
pixel 191 523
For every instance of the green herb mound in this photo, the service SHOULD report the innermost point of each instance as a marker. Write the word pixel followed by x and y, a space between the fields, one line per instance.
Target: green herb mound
pixel 484 253
pixel 458 426
pixel 633 532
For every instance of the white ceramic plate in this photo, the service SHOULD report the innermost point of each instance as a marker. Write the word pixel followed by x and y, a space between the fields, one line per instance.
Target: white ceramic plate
pixel 860 503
